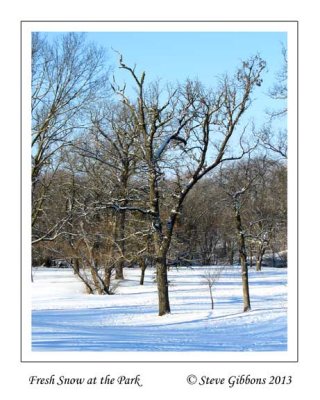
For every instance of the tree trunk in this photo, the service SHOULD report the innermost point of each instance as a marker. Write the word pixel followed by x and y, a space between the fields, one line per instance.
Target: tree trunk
pixel 231 255
pixel 259 259
pixel 245 283
pixel 119 270
pixel 122 245
pixel 76 266
pixel 211 297
pixel 258 264
pixel 143 266
pixel 162 282
pixel 243 260
pixel 107 277
pixel 76 270
pixel 251 256
pixel 95 278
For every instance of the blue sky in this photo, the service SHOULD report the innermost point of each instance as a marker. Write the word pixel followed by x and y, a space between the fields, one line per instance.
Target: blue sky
pixel 176 56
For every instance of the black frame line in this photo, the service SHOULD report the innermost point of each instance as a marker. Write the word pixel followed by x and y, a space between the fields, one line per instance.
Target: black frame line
pixel 21 199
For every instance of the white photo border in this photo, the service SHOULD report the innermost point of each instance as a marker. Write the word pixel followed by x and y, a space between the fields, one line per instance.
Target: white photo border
pixel 291 28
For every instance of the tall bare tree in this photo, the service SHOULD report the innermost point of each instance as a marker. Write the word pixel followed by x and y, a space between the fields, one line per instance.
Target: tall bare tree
pixel 237 180
pixel 68 74
pixel 186 136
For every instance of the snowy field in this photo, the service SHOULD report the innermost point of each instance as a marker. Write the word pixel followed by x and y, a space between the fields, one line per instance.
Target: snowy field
pixel 65 318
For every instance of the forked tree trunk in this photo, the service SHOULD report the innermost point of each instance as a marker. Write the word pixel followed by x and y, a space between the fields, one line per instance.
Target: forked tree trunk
pixel 95 278
pixel 99 282
pixel 76 270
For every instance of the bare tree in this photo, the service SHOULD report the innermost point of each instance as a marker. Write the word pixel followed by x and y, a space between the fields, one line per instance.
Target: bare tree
pixel 115 133
pixel 272 138
pixel 67 75
pixel 193 125
pixel 268 204
pixel 279 91
pixel 236 197
pixel 236 181
pixel 199 233
pixel 211 277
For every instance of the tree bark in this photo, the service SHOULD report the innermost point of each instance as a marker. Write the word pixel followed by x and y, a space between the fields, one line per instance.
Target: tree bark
pixel 95 278
pixel 76 270
pixel 143 266
pixel 121 241
pixel 259 258
pixel 119 270
pixel 231 256
pixel 76 266
pixel 107 277
pixel 162 282
pixel 245 283
pixel 243 259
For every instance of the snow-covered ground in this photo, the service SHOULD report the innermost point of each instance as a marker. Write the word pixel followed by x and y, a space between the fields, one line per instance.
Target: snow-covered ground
pixel 65 318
